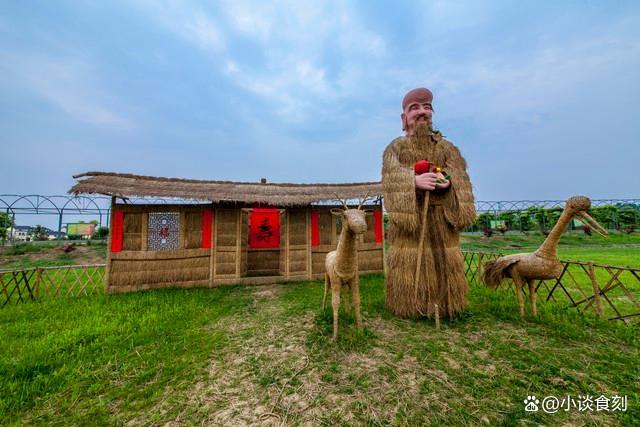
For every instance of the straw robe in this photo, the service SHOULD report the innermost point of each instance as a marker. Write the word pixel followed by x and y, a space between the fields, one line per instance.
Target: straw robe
pixel 442 278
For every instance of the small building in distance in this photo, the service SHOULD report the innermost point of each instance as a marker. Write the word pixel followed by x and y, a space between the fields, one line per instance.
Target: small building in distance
pixel 208 233
pixel 82 229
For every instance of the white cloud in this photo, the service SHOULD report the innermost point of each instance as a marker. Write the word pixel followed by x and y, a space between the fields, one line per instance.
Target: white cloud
pixel 295 39
pixel 69 85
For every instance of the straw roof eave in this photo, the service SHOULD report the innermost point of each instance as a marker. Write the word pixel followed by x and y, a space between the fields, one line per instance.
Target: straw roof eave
pixel 277 194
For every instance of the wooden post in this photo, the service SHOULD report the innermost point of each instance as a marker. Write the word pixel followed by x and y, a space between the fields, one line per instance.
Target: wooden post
pixel 238 242
pixel 596 290
pixel 109 240
pixel 309 260
pixel 145 232
pixel 182 228
pixel 437 315
pixel 384 241
pixel 36 287
pixel 212 252
pixel 286 245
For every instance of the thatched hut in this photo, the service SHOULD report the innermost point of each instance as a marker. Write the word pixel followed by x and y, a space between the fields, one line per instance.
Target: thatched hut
pixel 241 232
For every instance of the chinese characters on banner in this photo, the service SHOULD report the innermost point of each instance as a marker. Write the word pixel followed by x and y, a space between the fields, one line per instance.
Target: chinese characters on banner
pixel 264 228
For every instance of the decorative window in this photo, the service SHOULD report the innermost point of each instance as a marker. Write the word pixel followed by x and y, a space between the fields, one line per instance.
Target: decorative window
pixel 164 231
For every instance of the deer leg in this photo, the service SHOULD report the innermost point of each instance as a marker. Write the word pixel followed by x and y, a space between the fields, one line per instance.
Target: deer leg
pixel 326 290
pixel 355 296
pixel 335 304
pixel 517 280
pixel 532 297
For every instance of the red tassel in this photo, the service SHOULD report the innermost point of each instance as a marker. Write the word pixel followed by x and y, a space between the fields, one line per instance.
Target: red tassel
pixel 207 220
pixel 378 225
pixel 116 231
pixel 315 228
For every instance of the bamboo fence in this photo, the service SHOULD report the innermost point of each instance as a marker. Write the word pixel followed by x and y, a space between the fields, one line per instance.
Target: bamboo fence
pixel 17 286
pixel 611 292
pixel 607 291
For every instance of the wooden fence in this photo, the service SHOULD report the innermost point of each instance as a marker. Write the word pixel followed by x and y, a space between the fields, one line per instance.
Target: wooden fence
pixel 610 292
pixel 24 285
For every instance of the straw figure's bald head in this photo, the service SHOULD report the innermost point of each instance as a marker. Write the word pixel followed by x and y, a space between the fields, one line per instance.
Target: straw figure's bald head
pixel 417 109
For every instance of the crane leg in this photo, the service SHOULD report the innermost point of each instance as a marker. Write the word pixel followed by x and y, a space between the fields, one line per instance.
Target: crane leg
pixel 519 282
pixel 532 297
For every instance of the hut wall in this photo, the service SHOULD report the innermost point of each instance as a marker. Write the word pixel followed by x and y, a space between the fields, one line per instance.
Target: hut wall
pixel 136 268
pixel 229 260
pixel 226 223
pixel 297 242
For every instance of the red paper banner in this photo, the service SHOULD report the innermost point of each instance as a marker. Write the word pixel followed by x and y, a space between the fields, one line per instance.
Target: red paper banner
pixel 264 228
pixel 207 220
pixel 116 231
pixel 378 226
pixel 315 228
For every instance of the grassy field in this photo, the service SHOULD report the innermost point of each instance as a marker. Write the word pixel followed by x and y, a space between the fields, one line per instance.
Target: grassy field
pixel 263 355
pixel 618 249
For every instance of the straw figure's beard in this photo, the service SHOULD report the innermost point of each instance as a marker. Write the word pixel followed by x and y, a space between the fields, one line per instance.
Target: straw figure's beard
pixel 423 129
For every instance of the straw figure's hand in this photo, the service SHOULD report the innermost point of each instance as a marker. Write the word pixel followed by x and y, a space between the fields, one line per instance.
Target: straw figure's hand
pixel 442 181
pixel 426 181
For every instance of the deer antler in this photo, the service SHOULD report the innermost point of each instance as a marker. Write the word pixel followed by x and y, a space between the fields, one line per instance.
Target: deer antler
pixel 363 200
pixel 341 201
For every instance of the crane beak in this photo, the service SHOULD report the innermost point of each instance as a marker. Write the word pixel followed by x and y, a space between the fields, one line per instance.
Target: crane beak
pixel 586 219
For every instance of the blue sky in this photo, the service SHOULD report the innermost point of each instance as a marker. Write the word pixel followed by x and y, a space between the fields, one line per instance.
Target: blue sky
pixel 542 97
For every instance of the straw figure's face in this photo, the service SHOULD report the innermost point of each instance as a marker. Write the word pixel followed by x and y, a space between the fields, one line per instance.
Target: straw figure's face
pixel 578 203
pixel 416 114
pixel 354 219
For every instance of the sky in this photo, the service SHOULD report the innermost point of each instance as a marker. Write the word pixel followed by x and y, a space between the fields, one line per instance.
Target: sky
pixel 542 97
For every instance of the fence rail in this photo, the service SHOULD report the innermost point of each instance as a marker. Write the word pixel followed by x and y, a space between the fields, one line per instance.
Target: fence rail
pixel 611 292
pixel 17 286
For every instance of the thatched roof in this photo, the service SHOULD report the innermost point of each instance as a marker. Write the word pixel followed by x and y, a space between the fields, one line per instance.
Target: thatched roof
pixel 280 194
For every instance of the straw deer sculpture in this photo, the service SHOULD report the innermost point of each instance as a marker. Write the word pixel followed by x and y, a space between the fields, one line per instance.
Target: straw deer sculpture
pixel 542 264
pixel 341 265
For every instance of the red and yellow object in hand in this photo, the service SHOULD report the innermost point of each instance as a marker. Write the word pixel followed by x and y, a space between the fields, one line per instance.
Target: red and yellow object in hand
pixel 423 166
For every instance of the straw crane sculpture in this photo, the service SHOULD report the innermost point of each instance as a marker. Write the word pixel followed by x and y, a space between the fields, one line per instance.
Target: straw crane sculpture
pixel 341 265
pixel 544 263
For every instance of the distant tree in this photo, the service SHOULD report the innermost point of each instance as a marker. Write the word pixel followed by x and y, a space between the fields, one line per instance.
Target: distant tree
pixel 39 233
pixel 484 220
pixel 5 224
pixel 101 233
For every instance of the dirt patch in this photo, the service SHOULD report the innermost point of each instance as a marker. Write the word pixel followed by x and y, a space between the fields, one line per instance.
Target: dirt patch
pixel 82 254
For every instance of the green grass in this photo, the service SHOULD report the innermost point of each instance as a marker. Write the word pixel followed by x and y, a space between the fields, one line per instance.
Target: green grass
pixel 23 248
pixel 515 240
pixel 251 355
pixel 619 249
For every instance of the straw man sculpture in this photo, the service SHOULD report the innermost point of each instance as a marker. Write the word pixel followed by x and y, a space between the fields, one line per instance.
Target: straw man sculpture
pixel 425 265
pixel 341 265
pixel 544 263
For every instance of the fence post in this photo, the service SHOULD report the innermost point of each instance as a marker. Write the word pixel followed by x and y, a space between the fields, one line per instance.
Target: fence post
pixel 596 290
pixel 36 287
